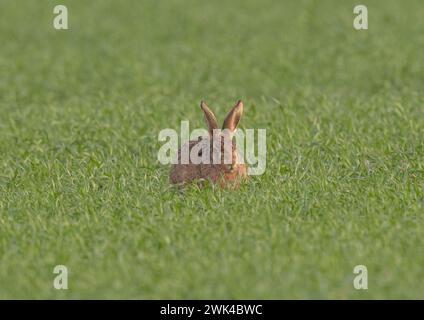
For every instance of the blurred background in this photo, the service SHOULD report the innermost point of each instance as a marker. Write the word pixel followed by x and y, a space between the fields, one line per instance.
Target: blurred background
pixel 81 110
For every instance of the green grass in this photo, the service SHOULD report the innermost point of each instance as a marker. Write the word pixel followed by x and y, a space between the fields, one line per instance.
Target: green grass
pixel 80 183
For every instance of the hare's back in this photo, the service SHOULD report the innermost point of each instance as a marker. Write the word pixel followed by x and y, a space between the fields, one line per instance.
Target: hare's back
pixel 182 172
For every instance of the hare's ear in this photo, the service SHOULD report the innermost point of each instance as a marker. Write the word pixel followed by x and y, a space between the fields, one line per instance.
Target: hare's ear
pixel 209 117
pixel 233 117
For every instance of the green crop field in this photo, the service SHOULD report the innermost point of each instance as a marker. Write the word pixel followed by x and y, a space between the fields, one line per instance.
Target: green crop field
pixel 81 186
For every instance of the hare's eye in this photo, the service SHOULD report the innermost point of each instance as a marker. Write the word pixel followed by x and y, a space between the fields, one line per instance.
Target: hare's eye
pixel 229 167
pixel 199 153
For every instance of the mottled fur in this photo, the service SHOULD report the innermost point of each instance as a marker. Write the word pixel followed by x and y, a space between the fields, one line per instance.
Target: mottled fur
pixel 215 172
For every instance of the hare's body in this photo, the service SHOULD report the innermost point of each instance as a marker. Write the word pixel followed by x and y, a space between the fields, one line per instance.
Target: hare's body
pixel 188 172
pixel 212 157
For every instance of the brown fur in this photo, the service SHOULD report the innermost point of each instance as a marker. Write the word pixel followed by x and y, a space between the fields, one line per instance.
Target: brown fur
pixel 217 173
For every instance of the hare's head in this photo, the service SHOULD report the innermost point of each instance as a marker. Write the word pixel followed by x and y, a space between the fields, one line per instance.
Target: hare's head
pixel 224 160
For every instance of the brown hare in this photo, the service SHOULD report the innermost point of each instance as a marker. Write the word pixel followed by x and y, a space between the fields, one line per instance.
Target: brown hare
pixel 213 157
